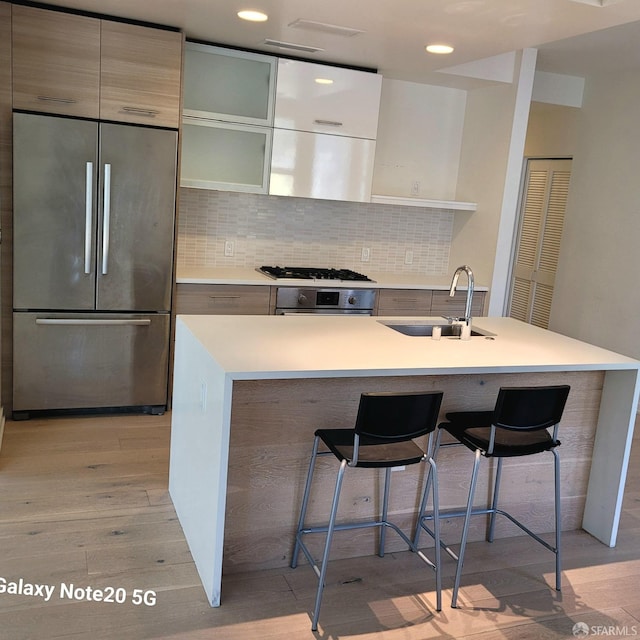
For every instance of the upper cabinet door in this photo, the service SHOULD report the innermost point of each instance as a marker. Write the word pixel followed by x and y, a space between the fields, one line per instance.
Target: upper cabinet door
pixel 325 99
pixel 228 85
pixel 308 165
pixel 56 62
pixel 140 74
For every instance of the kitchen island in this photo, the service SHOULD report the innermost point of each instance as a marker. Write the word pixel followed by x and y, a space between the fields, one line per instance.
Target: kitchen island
pixel 249 391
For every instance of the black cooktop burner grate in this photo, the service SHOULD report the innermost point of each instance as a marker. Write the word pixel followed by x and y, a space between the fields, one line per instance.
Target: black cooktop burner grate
pixel 314 273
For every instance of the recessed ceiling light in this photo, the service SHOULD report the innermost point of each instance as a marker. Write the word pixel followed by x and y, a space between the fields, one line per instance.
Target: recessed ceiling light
pixel 324 80
pixel 439 48
pixel 252 15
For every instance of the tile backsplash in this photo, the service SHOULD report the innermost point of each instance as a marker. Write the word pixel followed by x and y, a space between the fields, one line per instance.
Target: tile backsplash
pixel 305 232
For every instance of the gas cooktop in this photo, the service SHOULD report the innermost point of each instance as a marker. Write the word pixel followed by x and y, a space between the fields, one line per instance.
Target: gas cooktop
pixel 313 273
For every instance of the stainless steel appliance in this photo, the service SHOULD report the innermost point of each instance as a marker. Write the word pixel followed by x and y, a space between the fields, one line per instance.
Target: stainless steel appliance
pixel 314 273
pixel 94 209
pixel 324 300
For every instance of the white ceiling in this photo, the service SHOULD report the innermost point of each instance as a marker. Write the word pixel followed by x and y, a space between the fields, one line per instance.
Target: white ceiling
pixel 394 32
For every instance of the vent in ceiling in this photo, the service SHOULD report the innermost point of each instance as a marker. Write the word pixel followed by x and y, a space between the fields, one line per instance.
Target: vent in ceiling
pixel 323 27
pixel 597 3
pixel 291 46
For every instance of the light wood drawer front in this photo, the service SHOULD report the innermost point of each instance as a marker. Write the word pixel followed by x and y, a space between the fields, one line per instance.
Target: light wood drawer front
pixel 223 299
pixel 406 302
pixel 443 305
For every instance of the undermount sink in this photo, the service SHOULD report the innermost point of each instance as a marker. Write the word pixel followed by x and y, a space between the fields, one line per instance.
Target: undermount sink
pixel 447 330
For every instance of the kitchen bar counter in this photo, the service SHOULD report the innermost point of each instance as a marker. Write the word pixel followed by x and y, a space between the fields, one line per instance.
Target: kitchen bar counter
pixel 249 276
pixel 248 388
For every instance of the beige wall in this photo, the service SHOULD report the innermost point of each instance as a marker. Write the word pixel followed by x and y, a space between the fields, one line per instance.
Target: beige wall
pixel 481 178
pixel 597 298
pixel 552 131
pixel 419 138
pixel 490 167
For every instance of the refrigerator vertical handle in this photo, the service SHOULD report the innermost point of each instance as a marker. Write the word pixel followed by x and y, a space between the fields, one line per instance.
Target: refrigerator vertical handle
pixel 88 217
pixel 106 218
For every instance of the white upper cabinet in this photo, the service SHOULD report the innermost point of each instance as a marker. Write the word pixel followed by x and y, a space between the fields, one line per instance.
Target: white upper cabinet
pixel 309 165
pixel 230 85
pixel 325 127
pixel 326 99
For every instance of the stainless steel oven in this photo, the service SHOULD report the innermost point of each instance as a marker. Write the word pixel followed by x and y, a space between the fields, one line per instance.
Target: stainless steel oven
pixel 325 300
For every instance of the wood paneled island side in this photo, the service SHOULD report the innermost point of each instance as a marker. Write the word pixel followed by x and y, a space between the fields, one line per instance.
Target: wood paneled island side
pixel 249 391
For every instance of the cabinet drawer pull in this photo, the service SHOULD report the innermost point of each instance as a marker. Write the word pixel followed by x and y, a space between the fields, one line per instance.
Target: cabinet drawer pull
pixel 150 113
pixel 331 123
pixel 54 99
pixel 90 322
pixel 223 297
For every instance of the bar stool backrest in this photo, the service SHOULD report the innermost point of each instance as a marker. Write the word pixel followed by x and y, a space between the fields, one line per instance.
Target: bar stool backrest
pixel 530 408
pixel 397 416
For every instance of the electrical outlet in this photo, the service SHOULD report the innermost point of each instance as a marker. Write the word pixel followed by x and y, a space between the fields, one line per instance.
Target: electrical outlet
pixel 366 254
pixel 228 248
pixel 408 257
pixel 415 188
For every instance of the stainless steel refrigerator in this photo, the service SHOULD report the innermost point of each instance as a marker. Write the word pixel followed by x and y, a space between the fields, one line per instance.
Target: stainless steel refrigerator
pixel 94 210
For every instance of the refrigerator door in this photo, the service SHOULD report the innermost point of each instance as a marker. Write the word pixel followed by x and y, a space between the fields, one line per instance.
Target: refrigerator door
pixel 54 219
pixel 136 218
pixel 91 360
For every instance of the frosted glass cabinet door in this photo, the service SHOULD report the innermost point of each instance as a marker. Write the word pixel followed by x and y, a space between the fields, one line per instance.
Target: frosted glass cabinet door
pixel 312 165
pixel 325 99
pixel 222 84
pixel 219 155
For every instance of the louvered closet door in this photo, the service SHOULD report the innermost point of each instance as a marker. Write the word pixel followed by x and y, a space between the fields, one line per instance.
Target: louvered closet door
pixel 541 222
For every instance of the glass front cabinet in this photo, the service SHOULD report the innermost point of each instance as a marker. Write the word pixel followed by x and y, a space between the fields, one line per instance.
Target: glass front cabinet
pixel 227 122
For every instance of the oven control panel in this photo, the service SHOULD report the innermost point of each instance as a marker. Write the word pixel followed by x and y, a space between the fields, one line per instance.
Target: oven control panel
pixel 291 299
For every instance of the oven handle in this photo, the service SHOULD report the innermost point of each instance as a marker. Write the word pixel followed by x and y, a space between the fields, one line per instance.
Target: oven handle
pixel 324 312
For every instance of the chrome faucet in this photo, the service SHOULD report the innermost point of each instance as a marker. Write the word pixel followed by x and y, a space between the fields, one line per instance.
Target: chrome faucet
pixel 454 284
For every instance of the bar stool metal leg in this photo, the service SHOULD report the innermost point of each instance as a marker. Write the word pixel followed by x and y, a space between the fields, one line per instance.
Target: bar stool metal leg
pixel 556 463
pixel 305 501
pixel 465 529
pixel 494 503
pixel 436 531
pixel 385 509
pixel 327 545
pixel 433 453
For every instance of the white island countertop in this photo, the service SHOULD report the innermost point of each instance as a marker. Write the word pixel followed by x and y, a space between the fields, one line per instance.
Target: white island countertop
pixel 253 347
pixel 249 276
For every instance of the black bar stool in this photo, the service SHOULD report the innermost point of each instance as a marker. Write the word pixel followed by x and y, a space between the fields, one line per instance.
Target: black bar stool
pixel 382 438
pixel 518 426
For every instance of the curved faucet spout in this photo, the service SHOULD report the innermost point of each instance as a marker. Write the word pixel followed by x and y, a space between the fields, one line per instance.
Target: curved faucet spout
pixel 454 284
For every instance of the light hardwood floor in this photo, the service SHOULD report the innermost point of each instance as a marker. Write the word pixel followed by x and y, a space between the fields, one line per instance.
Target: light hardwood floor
pixel 84 502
